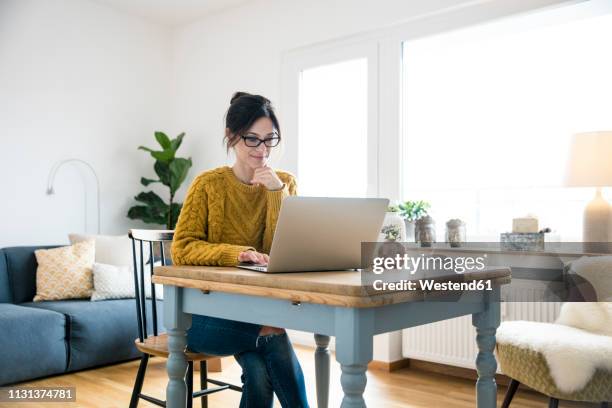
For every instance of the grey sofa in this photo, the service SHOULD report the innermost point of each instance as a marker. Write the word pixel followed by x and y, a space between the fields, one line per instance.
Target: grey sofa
pixel 38 339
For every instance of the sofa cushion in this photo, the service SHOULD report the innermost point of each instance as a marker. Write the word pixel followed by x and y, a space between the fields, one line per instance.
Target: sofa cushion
pixel 21 270
pixel 32 344
pixel 110 249
pixel 65 272
pixel 99 332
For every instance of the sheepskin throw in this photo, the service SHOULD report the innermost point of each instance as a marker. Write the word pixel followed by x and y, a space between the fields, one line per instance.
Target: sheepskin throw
pixel 573 354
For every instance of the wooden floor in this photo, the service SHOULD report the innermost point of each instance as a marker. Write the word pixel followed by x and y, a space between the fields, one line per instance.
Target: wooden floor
pixel 111 386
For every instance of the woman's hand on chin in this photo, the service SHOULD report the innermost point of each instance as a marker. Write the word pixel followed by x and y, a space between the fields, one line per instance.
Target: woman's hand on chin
pixel 267 177
pixel 254 257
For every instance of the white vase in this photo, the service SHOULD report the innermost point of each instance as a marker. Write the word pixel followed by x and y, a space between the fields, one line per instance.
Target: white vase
pixel 393 218
pixel 409 230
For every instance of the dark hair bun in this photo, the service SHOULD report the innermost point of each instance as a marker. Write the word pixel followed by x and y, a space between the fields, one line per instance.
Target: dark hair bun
pixel 244 110
pixel 238 95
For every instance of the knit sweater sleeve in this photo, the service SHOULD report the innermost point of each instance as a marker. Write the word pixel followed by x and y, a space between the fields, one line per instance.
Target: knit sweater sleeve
pixel 190 245
pixel 274 201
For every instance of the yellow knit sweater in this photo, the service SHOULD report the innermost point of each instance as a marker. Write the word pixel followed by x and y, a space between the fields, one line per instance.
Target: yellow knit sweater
pixel 222 217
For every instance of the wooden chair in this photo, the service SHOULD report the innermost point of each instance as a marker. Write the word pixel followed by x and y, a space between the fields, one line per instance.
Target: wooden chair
pixel 156 344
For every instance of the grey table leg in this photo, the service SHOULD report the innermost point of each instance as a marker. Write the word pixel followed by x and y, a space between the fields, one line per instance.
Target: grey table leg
pixel 354 333
pixel 486 324
pixel 322 370
pixel 176 323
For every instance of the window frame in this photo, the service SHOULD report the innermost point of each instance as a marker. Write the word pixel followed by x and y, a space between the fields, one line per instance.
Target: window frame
pixel 383 50
pixel 296 62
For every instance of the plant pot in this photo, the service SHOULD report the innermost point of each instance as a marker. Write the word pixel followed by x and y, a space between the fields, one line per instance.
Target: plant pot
pixel 389 249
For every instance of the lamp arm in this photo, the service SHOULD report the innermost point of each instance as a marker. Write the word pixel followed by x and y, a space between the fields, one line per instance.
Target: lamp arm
pixel 55 169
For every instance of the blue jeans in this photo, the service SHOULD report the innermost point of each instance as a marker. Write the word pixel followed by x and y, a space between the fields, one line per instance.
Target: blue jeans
pixel 269 364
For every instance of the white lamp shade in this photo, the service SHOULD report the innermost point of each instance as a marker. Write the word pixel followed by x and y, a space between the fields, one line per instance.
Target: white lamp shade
pixel 590 160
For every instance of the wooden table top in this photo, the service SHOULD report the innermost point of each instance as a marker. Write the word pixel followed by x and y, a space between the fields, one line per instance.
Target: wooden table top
pixel 340 288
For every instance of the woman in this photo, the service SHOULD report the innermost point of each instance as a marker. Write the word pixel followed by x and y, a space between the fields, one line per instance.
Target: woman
pixel 229 216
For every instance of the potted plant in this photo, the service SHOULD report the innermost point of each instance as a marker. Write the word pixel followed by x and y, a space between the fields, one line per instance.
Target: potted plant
pixel 391 232
pixel 393 219
pixel 411 211
pixel 171 172
pixel 391 247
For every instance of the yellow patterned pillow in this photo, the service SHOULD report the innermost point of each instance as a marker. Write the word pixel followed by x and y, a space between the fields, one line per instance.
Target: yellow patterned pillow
pixel 65 272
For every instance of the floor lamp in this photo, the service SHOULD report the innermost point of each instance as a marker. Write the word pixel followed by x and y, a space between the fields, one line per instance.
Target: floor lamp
pixel 51 180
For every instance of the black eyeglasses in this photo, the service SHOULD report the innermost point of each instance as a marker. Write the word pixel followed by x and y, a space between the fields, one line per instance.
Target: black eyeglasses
pixel 254 141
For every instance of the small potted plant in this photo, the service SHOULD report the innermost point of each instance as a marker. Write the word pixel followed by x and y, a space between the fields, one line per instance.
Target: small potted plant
pixel 391 247
pixel 411 211
pixel 393 219
pixel 391 232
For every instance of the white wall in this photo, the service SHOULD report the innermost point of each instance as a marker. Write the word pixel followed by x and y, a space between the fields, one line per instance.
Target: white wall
pixel 77 79
pixel 241 49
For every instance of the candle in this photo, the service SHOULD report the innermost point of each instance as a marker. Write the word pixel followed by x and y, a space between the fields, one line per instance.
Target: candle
pixel 525 224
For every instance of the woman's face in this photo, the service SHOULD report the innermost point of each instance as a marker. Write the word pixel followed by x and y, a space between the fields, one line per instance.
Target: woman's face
pixel 255 157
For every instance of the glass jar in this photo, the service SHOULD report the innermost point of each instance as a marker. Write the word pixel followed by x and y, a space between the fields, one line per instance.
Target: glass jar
pixel 455 233
pixel 425 231
pixel 394 228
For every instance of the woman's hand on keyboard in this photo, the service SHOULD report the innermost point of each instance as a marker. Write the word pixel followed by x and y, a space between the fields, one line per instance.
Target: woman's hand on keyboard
pixel 253 257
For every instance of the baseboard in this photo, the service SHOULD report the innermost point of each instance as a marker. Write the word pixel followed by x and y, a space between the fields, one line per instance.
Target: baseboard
pixel 461 372
pixel 388 365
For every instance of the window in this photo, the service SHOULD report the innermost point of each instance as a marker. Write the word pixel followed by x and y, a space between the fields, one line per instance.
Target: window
pixel 487 115
pixel 333 129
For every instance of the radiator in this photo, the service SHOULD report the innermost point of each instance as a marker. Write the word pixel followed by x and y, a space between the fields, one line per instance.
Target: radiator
pixel 453 341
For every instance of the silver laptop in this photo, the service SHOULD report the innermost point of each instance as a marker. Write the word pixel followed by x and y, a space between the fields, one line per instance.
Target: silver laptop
pixel 322 233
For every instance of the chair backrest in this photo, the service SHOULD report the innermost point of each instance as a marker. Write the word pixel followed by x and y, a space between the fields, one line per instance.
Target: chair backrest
pixel 147 240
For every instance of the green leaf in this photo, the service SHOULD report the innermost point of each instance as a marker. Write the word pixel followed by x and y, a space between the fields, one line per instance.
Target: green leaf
pixel 178 172
pixel 154 210
pixel 147 215
pixel 162 155
pixel 162 169
pixel 163 140
pixel 413 210
pixel 152 200
pixel 165 156
pixel 176 142
pixel 145 181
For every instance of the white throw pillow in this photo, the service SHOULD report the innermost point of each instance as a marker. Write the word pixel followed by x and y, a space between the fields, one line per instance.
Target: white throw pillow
pixel 110 249
pixel 594 317
pixel 117 282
